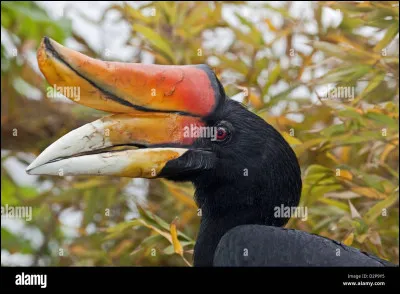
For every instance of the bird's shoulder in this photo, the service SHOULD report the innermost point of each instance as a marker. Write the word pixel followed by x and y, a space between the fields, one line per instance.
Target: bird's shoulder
pixel 258 245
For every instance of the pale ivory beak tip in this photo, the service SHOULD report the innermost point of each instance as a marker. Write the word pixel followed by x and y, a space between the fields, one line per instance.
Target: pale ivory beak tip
pixel 30 169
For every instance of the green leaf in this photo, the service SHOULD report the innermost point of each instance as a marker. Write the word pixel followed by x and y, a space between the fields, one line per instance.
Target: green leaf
pixel 383 119
pixel 374 181
pixel 336 203
pixel 8 190
pixel 329 48
pixel 377 209
pixel 155 39
pixel 135 14
pixel 151 240
pixel 254 34
pixel 120 229
pixel 169 250
pixel 351 113
pixel 153 219
pixel 390 34
pixel 14 243
pixel 318 169
pixel 246 38
pixel 333 130
pixel 375 82
pixel 170 10
pixel 343 74
pixel 236 65
pixel 90 199
pixel 33 21
pixel 272 78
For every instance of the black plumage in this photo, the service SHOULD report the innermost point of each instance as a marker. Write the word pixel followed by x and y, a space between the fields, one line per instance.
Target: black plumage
pixel 247 176
pixel 255 245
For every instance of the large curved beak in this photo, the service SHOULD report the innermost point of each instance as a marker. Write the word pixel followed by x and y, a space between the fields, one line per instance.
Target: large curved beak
pixel 154 110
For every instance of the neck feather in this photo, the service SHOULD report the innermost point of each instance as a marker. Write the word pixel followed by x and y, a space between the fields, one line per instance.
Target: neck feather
pixel 216 219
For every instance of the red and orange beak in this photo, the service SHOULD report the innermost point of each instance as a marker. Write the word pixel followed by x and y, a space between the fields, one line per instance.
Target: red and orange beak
pixel 153 108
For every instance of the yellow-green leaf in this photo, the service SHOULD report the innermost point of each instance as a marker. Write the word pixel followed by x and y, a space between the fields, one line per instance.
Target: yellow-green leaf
pixel 174 236
pixel 155 39
pixel 290 139
pixel 368 192
pixel 377 209
pixel 349 239
pixel 390 34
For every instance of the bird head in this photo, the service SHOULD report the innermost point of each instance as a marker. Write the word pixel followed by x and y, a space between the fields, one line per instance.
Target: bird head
pixel 174 122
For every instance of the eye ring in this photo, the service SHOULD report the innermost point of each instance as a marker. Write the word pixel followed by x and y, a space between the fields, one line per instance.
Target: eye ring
pixel 223 131
pixel 221 134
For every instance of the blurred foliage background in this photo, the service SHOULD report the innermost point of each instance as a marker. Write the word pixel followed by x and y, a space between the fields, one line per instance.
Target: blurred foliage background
pixel 277 60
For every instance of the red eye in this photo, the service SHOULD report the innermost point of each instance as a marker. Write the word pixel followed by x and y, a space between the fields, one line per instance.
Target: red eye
pixel 222 133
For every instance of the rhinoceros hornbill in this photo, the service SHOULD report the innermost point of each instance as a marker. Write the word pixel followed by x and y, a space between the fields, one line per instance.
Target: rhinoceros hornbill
pixel 240 173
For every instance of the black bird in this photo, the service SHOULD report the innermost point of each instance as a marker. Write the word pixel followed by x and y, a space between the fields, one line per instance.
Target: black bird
pixel 176 122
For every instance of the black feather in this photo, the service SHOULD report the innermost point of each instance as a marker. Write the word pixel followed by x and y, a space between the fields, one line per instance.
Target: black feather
pixel 254 245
